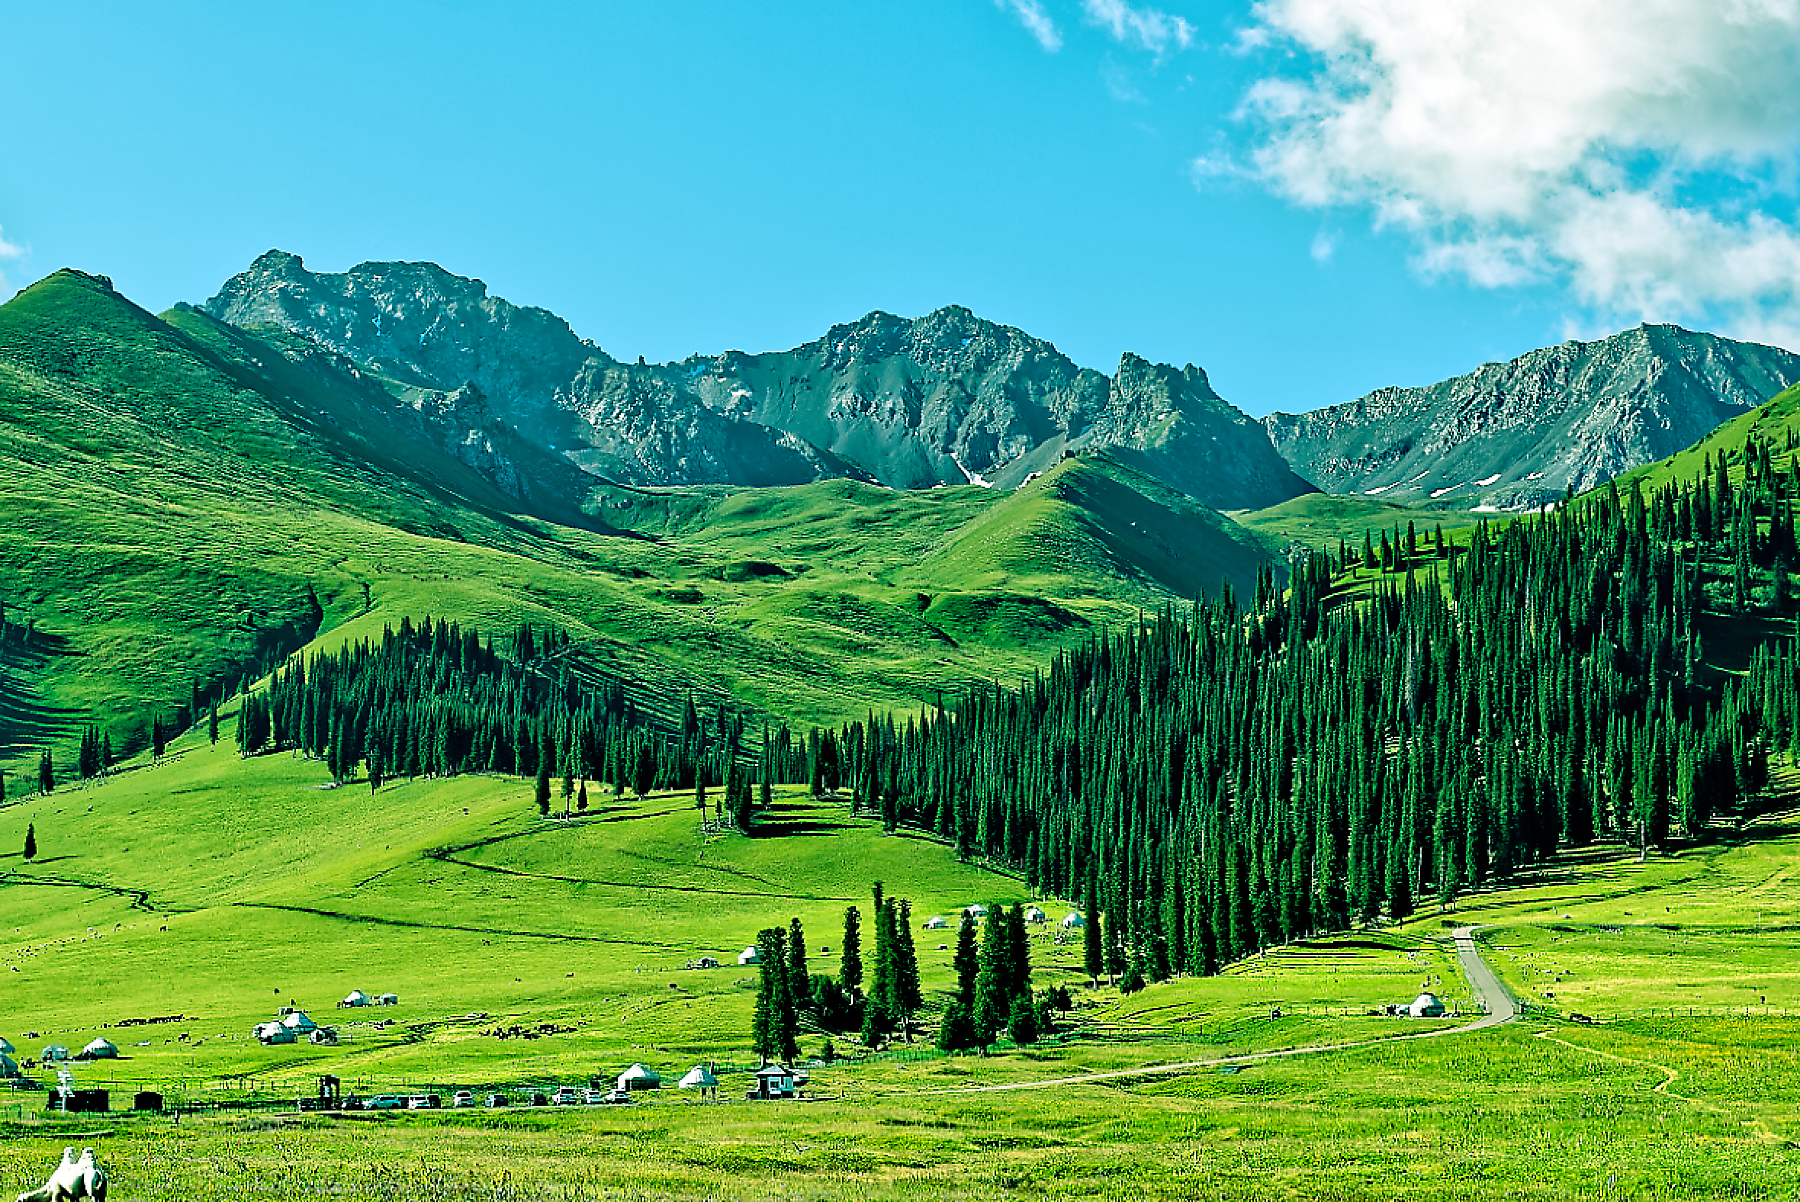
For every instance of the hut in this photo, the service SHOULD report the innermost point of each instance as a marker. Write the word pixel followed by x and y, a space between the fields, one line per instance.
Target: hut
pixel 639 1076
pixel 388 999
pixel 701 1078
pixel 298 1022
pixel 1426 1005
pixel 7 1049
pixel 707 962
pixel 773 1081
pixel 356 997
pixel 936 924
pixel 9 1068
pixel 324 1036
pixel 976 911
pixel 749 957
pixel 271 1033
pixel 1073 921
pixel 1034 914
pixel 54 1053
pixel 101 1049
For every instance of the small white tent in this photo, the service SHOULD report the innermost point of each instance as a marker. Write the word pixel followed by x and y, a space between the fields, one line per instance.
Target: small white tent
pixel 7 1049
pixel 935 924
pixel 356 997
pixel 388 999
pixel 9 1068
pixel 1034 915
pixel 749 956
pixel 1426 1005
pixel 101 1049
pixel 699 1077
pixel 976 911
pixel 54 1053
pixel 639 1076
pixel 299 1023
pixel 1073 921
pixel 272 1033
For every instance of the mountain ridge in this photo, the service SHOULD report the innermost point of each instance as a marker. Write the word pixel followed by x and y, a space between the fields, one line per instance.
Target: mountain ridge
pixel 1518 434
pixel 947 398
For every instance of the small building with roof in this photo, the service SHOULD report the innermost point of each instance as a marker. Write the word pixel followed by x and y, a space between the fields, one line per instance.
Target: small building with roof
pixel 9 1068
pixel 1426 1005
pixel 976 911
pixel 774 1081
pixel 639 1076
pixel 700 1077
pixel 1074 920
pixel 356 997
pixel 936 923
pixel 749 957
pixel 100 1049
pixel 1035 914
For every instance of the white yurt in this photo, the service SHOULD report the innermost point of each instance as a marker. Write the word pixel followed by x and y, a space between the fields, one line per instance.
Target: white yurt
pixel 639 1076
pixel 299 1023
pixel 1035 915
pixel 976 911
pixel 54 1053
pixel 101 1049
pixel 935 924
pixel 7 1049
pixel 1426 1005
pixel 9 1068
pixel 272 1033
pixel 749 956
pixel 699 1077
pixel 1073 921
pixel 356 997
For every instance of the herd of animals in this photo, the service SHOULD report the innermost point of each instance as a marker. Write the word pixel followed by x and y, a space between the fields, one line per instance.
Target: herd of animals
pixel 75 1178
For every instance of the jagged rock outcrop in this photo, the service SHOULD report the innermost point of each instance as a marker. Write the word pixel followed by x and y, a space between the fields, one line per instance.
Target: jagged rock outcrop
pixel 943 399
pixel 1516 435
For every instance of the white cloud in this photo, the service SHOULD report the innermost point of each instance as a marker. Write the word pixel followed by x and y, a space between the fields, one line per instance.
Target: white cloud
pixel 1641 153
pixel 1324 247
pixel 1036 20
pixel 7 251
pixel 1145 28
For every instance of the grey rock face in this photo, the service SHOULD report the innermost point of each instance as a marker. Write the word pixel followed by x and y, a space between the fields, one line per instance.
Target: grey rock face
pixel 943 399
pixel 1516 435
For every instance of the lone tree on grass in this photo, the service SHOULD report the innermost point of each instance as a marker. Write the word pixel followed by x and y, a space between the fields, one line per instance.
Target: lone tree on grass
pixel 31 841
pixel 46 773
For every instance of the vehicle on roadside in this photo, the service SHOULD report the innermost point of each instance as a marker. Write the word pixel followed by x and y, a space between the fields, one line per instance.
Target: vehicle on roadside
pixel 386 1101
pixel 614 1097
pixel 540 1098
pixel 568 1095
pixel 495 1100
pixel 424 1101
pixel 462 1097
pixel 592 1097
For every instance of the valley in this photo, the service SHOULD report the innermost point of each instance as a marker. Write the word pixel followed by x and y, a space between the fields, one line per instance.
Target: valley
pixel 1038 636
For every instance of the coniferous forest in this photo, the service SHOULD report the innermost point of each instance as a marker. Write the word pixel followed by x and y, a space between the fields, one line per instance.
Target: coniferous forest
pixel 1388 733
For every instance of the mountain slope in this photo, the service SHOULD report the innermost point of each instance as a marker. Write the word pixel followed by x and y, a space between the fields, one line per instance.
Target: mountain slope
pixel 188 500
pixel 1518 434
pixel 944 399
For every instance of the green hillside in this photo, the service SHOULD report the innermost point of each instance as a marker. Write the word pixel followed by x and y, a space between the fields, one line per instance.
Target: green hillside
pixel 190 502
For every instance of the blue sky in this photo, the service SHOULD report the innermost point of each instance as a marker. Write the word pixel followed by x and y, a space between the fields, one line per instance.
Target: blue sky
pixel 1309 198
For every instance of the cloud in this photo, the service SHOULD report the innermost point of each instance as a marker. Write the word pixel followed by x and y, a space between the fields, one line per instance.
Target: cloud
pixel 1641 154
pixel 1036 21
pixel 7 251
pixel 1324 247
pixel 1145 28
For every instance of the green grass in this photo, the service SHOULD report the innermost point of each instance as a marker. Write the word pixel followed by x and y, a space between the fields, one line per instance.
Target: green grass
pixel 185 500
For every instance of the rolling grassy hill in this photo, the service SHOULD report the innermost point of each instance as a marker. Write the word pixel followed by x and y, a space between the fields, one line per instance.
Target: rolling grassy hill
pixel 190 501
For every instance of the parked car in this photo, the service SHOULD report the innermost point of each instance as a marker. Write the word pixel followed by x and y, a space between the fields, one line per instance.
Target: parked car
pixel 592 1097
pixel 386 1101
pixel 568 1095
pixel 424 1101
pixel 540 1098
pixel 496 1100
pixel 462 1097
pixel 613 1097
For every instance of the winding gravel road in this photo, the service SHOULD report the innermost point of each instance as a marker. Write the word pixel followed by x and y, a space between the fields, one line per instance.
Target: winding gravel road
pixel 1501 1008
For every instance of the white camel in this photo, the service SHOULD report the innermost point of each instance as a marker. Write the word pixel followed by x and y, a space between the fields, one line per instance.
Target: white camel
pixel 73 1179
